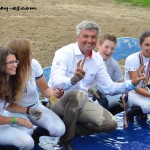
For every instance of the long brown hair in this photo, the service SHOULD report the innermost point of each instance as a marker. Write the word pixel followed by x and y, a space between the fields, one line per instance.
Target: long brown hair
pixel 22 47
pixel 8 85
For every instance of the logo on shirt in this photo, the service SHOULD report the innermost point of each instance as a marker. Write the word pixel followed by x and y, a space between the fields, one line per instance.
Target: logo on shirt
pixel 58 63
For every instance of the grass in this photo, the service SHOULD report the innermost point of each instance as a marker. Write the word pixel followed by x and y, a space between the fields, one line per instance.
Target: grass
pixel 141 3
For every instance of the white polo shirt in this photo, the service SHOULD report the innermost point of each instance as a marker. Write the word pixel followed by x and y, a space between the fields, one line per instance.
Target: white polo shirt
pixel 2 106
pixel 31 95
pixel 132 63
pixel 65 63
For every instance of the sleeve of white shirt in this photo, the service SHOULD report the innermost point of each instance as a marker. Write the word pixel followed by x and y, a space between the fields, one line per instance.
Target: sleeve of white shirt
pixel 36 69
pixel 108 86
pixel 2 106
pixel 58 77
pixel 131 63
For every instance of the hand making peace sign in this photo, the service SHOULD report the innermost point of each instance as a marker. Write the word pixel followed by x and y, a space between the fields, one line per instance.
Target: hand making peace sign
pixel 79 72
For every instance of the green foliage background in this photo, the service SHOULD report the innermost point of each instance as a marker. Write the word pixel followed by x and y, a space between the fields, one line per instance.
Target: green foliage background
pixel 142 3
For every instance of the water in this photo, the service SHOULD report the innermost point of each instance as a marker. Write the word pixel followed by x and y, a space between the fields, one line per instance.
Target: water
pixel 49 143
pixel 135 137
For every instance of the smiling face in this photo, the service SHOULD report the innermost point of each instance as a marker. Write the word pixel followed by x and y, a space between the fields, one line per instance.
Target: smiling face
pixel 11 65
pixel 145 45
pixel 106 49
pixel 87 40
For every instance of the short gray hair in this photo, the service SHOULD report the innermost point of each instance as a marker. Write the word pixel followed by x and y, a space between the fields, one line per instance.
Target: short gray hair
pixel 87 25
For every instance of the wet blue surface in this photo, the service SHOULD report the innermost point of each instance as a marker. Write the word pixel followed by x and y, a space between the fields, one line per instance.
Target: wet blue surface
pixel 135 137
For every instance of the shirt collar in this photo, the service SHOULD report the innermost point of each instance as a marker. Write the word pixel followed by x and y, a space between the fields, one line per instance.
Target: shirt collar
pixel 78 51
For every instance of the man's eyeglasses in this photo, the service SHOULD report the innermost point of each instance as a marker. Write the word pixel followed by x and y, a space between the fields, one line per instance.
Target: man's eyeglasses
pixel 12 62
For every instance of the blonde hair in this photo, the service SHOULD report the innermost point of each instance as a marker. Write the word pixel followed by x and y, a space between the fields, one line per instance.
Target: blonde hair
pixel 22 47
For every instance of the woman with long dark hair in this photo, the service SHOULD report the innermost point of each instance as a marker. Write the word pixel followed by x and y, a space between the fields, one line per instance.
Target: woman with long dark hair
pixel 11 136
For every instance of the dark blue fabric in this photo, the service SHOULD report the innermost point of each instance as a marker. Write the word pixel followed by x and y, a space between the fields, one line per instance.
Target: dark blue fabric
pixel 135 137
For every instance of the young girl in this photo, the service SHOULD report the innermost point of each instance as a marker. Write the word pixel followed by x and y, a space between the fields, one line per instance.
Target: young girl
pixel 8 92
pixel 141 95
pixel 31 76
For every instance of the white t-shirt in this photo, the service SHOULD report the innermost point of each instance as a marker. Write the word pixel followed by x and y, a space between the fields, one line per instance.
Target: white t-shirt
pixel 31 95
pixel 2 106
pixel 65 63
pixel 132 63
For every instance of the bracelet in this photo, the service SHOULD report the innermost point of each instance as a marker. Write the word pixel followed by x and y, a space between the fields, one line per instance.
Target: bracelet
pixel 27 112
pixel 14 120
pixel 92 91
